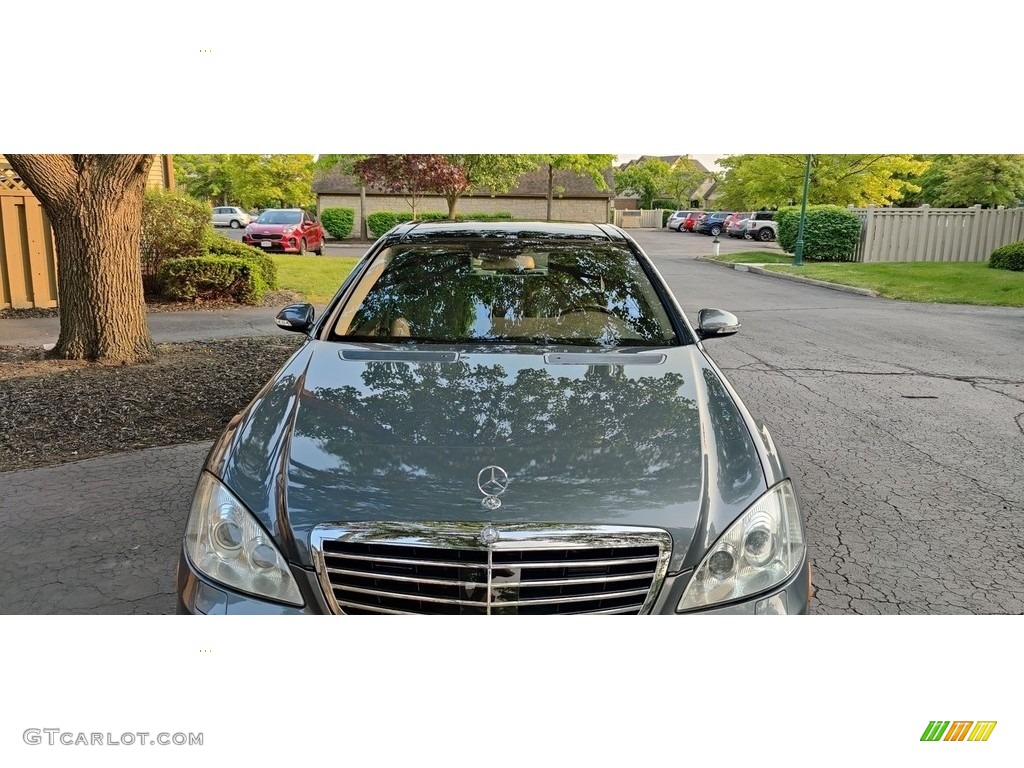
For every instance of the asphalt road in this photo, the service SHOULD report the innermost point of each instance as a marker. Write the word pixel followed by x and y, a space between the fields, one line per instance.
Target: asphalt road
pixel 903 425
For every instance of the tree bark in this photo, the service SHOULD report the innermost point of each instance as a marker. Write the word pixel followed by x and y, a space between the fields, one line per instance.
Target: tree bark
pixel 452 200
pixel 94 203
pixel 551 187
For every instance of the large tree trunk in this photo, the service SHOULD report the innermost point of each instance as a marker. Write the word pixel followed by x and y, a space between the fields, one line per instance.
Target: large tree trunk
pixel 452 200
pixel 94 203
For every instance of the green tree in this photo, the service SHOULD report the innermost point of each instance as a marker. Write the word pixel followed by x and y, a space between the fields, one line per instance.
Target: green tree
pixel 495 173
pixel 594 166
pixel 647 180
pixel 263 181
pixel 94 203
pixel 751 182
pixel 683 180
pixel 960 181
pixel 204 177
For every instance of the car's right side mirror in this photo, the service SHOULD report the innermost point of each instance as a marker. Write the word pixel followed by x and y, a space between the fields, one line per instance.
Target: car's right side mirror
pixel 712 323
pixel 296 317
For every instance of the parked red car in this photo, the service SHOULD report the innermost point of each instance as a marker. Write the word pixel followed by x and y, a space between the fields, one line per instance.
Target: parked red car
pixel 288 230
pixel 691 221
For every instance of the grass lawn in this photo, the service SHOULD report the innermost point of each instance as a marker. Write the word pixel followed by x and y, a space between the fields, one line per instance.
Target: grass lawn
pixel 754 257
pixel 317 278
pixel 945 283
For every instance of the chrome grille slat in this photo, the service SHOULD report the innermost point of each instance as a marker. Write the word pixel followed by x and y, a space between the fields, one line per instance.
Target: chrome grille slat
pixel 576 599
pixel 586 563
pixel 405 561
pixel 408 596
pixel 413 579
pixel 446 568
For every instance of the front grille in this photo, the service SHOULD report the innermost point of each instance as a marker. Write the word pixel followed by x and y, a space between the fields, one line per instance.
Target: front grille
pixel 531 569
pixel 266 237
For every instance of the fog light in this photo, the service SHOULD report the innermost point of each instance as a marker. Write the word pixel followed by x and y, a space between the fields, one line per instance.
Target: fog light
pixel 776 605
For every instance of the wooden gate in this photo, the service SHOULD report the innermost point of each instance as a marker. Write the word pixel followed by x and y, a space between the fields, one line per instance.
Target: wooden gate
pixel 28 261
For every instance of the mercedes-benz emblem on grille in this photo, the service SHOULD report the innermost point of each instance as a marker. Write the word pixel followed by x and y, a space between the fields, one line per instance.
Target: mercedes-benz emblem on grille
pixel 492 482
pixel 489 535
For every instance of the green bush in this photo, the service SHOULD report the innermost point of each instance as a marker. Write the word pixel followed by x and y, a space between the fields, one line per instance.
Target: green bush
pixel 174 226
pixel 831 233
pixel 1009 257
pixel 380 222
pixel 338 221
pixel 225 246
pixel 212 277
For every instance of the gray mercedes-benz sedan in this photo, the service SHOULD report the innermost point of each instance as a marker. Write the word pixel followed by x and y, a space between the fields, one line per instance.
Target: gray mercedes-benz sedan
pixel 497 418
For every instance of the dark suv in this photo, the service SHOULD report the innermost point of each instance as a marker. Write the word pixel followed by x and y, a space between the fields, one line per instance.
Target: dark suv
pixel 713 223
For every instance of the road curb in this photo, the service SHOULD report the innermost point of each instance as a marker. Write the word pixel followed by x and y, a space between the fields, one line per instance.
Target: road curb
pixel 758 270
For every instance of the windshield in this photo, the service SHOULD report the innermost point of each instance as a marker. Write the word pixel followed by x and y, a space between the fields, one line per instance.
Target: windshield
pixel 280 217
pixel 593 294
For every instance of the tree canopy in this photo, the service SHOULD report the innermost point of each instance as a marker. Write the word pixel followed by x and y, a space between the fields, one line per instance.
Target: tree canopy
pixel 751 182
pixel 410 175
pixel 495 173
pixel 251 181
pixel 960 181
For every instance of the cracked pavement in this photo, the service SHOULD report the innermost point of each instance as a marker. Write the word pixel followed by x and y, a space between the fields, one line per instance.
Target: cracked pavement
pixel 902 424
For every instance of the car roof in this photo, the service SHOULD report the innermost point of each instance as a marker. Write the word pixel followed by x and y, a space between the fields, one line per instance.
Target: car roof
pixel 556 230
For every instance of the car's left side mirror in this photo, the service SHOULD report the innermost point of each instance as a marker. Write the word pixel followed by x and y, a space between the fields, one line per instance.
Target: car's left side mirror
pixel 296 317
pixel 712 323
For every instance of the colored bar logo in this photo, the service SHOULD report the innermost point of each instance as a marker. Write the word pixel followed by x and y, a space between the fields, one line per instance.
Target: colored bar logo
pixel 958 730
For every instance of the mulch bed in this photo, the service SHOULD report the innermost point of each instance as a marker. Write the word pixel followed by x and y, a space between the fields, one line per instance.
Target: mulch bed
pixel 154 304
pixel 53 411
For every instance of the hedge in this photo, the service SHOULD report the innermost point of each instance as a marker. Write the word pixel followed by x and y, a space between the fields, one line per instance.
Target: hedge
pixel 382 221
pixel 174 226
pixel 212 277
pixel 338 221
pixel 225 246
pixel 831 233
pixel 1009 257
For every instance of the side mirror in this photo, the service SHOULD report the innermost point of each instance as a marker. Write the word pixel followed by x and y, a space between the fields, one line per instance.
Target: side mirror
pixel 296 317
pixel 716 322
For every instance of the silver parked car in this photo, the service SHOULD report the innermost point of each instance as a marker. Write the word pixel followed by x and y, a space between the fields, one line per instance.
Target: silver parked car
pixel 497 418
pixel 231 216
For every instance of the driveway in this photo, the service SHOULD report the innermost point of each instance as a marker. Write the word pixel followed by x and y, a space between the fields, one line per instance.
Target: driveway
pixel 902 423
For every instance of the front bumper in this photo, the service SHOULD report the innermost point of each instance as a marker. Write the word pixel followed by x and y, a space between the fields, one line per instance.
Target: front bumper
pixel 199 595
pixel 287 244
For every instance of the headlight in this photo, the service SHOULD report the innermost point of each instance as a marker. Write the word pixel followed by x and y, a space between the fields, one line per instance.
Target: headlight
pixel 764 547
pixel 225 542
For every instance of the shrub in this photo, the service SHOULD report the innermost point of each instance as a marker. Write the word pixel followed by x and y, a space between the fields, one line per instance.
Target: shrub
pixel 212 277
pixel 174 226
pixel 225 246
pixel 380 222
pixel 831 233
pixel 1009 257
pixel 338 221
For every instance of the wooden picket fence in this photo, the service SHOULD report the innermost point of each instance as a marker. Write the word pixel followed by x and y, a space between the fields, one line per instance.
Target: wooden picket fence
pixel 642 219
pixel 28 260
pixel 936 234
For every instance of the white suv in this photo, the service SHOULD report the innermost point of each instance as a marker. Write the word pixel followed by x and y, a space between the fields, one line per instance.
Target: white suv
pixel 761 227
pixel 231 216
pixel 676 219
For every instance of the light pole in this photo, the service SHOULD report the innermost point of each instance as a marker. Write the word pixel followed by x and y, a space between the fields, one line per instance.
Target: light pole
pixel 798 255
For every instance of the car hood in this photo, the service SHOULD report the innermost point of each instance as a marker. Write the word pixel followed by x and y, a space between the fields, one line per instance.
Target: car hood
pixel 269 229
pixel 349 433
